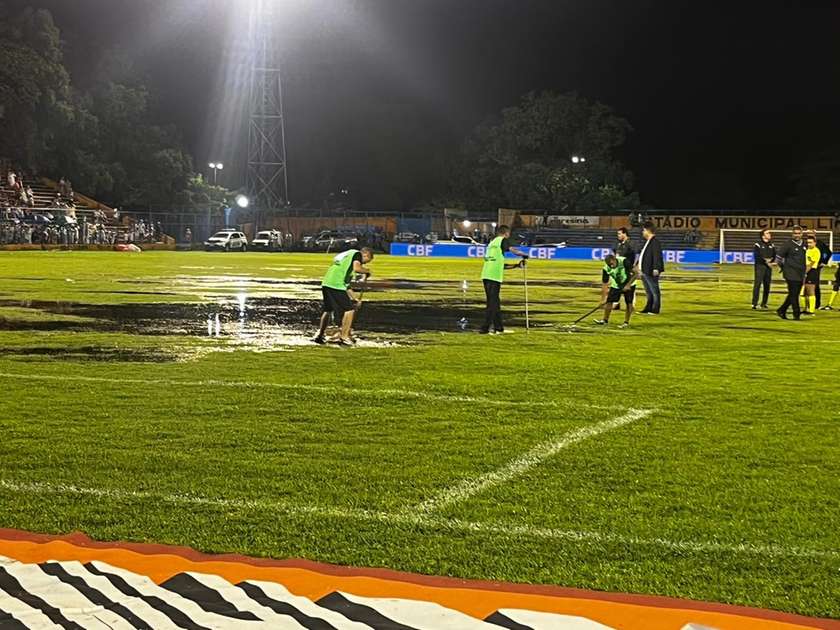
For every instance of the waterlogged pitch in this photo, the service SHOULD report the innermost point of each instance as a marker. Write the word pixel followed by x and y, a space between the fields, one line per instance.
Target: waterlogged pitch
pixel 175 398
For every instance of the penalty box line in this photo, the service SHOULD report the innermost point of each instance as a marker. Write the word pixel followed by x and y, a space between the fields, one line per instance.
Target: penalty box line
pixel 432 522
pixel 519 466
pixel 305 387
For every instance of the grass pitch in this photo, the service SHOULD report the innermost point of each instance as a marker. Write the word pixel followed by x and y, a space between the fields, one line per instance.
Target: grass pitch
pixel 131 412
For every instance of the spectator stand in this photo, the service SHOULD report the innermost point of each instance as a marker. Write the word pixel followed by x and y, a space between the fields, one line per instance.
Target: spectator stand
pixel 54 216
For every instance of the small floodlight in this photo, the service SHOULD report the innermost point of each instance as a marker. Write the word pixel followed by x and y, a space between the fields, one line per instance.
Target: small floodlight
pixel 220 166
pixel 575 159
pixel 467 223
pixel 494 225
pixel 242 201
pixel 212 165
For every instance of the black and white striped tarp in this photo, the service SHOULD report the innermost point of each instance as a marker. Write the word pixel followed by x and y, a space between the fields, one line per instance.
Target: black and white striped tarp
pixel 99 596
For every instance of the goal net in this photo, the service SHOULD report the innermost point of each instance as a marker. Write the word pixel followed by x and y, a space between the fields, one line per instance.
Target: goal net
pixel 736 245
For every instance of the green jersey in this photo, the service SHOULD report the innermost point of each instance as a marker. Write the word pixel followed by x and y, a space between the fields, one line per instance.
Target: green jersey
pixel 341 270
pixel 494 260
pixel 620 274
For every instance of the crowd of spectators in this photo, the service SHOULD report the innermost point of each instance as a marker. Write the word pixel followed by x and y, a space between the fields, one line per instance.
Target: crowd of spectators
pixel 23 221
pixel 16 231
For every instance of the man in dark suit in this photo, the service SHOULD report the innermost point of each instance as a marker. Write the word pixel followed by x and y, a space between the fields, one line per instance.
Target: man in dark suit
pixel 764 256
pixel 792 259
pixel 652 266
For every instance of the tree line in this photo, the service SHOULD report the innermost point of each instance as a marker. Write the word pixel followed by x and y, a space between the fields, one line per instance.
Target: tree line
pixel 556 152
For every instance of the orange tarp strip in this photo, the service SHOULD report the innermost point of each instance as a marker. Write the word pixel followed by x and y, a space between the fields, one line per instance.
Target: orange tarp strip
pixel 473 601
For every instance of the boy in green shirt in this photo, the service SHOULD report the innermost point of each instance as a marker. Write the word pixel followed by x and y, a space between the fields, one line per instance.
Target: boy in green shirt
pixel 622 278
pixel 492 275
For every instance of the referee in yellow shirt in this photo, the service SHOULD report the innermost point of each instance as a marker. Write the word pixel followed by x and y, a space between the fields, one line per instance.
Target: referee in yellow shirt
pixel 812 273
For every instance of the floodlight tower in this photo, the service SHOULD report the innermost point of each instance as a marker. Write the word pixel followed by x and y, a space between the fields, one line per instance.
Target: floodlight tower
pixel 266 182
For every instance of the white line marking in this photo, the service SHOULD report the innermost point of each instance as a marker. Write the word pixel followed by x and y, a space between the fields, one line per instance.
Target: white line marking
pixel 413 521
pixel 536 456
pixel 304 387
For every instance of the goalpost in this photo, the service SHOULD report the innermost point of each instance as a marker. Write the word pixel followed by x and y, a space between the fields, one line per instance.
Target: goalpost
pixel 736 243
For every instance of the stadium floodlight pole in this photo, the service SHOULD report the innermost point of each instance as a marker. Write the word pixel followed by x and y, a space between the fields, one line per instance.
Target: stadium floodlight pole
pixel 216 166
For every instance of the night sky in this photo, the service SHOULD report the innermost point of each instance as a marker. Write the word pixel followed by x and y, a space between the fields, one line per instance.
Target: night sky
pixel 725 98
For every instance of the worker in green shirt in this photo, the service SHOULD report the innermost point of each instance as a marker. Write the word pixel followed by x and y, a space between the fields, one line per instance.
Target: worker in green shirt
pixel 493 273
pixel 339 299
pixel 622 278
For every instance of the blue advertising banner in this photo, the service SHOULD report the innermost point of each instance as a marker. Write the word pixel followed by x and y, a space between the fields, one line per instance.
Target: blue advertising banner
pixel 457 250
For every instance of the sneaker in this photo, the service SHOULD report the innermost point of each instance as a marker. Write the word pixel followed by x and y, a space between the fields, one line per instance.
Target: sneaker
pixel 763 307
pixel 781 314
pixel 755 308
pixel 624 325
pixel 319 340
pixel 504 332
pixel 826 308
pixel 807 313
pixel 346 343
pixel 600 322
pixel 483 332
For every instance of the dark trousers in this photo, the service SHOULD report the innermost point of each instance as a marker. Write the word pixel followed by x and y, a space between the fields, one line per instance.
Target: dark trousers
pixel 493 315
pixel 817 293
pixel 794 288
pixel 653 294
pixel 763 277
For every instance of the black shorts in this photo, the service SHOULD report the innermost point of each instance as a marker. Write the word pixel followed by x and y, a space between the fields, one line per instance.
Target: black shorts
pixel 336 301
pixel 616 294
pixel 812 277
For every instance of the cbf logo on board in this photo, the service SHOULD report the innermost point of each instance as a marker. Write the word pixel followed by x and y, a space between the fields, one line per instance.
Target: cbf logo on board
pixel 669 255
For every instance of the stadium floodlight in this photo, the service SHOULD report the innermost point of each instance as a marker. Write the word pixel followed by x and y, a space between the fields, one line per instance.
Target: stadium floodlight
pixel 242 201
pixel 216 166
pixel 578 159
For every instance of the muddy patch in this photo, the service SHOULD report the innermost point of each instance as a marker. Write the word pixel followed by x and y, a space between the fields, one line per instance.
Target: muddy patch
pixel 91 353
pixel 260 322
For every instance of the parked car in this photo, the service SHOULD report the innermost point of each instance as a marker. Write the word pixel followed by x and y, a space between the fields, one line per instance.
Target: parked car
pixel 407 237
pixel 335 241
pixel 227 241
pixel 458 239
pixel 267 240
pixel 464 239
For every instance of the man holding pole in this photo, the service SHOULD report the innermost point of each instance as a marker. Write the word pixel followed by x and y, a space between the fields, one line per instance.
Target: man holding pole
pixel 492 275
pixel 339 300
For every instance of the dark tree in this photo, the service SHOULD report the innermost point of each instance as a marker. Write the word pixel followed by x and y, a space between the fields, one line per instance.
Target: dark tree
pixel 105 139
pixel 525 159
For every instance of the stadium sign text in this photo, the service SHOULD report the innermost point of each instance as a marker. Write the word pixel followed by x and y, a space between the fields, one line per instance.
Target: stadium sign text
pixel 712 223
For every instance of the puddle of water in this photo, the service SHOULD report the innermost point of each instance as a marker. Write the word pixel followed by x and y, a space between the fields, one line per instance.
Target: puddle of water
pixel 257 323
pixel 134 292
